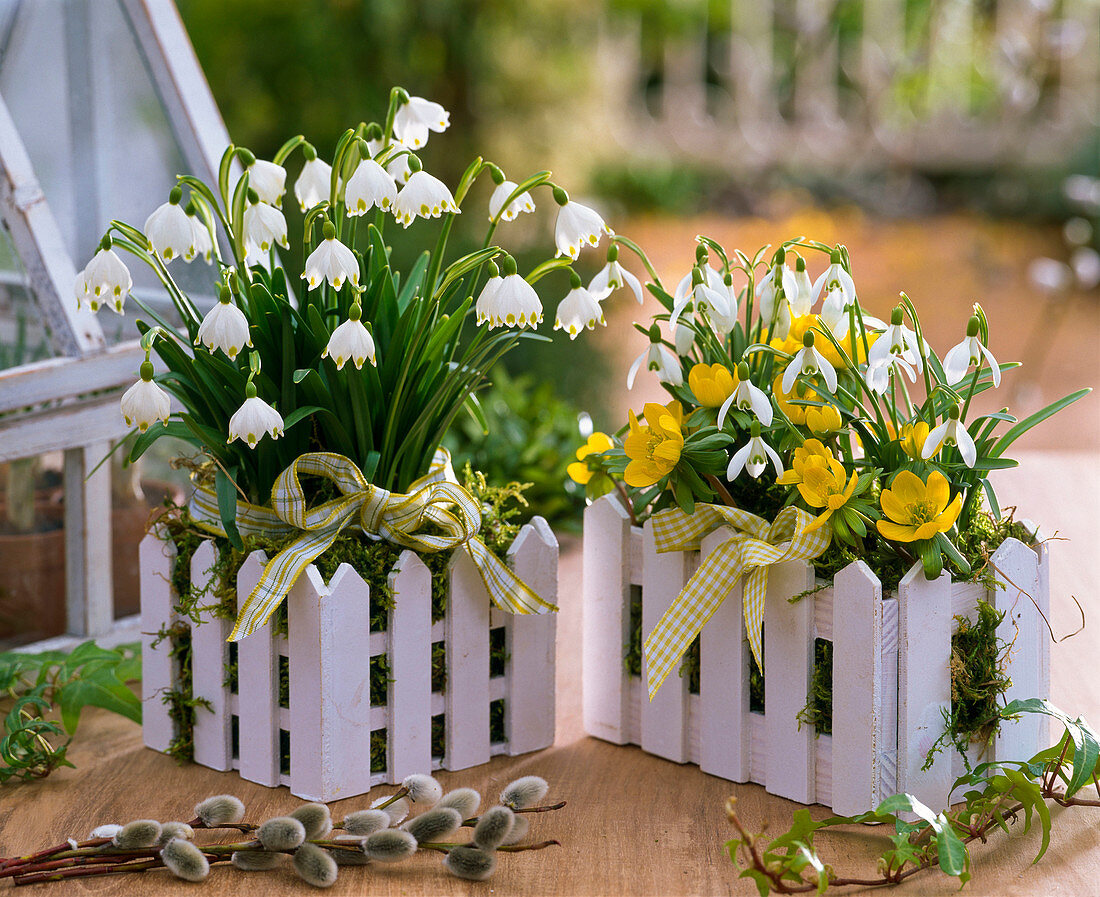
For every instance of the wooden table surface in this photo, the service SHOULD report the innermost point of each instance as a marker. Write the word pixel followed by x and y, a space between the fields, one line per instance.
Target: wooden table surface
pixel 635 824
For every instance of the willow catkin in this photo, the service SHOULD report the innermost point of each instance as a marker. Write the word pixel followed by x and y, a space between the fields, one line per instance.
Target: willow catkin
pixel 255 860
pixel 524 792
pixel 170 830
pixel 221 809
pixel 423 789
pixel 493 827
pixel 315 866
pixel 184 860
pixel 434 825
pixel 521 825
pixel 389 845
pixel 469 862
pixel 107 830
pixel 315 818
pixel 465 800
pixel 281 833
pixel 366 822
pixel 397 811
pixel 137 834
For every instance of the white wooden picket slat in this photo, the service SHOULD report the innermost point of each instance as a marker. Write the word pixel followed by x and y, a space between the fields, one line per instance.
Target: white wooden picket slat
pixel 606 618
pixel 208 647
pixel 467 694
pixel 530 641
pixel 159 671
pixel 724 748
pixel 257 688
pixel 409 735
pixel 664 717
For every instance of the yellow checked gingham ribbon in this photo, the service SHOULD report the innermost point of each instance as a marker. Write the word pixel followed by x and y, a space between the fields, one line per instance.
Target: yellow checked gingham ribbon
pixel 435 498
pixel 756 546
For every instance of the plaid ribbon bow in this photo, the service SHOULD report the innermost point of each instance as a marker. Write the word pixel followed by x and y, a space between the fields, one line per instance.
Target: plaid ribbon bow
pixel 751 551
pixel 435 498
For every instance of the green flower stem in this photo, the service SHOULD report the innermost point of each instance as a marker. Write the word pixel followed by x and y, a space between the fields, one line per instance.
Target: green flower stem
pixel 637 250
pixel 284 151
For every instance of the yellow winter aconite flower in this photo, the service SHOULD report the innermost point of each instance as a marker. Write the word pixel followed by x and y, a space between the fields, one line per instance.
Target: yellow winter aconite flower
pixel 823 420
pixel 800 391
pixel 812 453
pixel 712 384
pixel 653 449
pixel 917 510
pixel 913 437
pixel 824 487
pixel 597 443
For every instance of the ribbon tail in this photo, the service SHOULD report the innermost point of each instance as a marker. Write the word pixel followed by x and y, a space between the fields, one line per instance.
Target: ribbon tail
pixel 506 590
pixel 756 588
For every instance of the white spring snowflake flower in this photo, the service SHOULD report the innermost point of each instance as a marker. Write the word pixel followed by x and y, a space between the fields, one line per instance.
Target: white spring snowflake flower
pixel 369 186
pixel 268 180
pixel 105 279
pixel 331 261
pixel 224 327
pixel 423 196
pixel 577 311
pixel 486 308
pixel 398 167
pixel 264 227
pixel 576 226
pixel 351 340
pixel 313 184
pixel 522 203
pixel 254 419
pixel 514 302
pixel 143 404
pixel 203 241
pixel 169 230
pixel 416 118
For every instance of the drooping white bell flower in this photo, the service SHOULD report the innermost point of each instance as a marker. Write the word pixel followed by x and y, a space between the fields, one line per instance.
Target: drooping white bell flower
pixel 224 327
pixel 370 186
pixel 753 456
pixel 808 360
pixel 204 241
pixel 416 118
pixel 578 310
pixel 747 397
pixel 145 402
pixel 486 308
pixel 264 225
pixel 683 337
pixel 314 182
pixel 105 279
pixel 254 419
pixel 878 373
pixel 351 340
pixel 951 432
pixel 835 277
pixel 705 298
pixel 778 276
pixel 268 180
pixel 331 261
pixel 169 230
pixel 614 276
pixel 970 351
pixel 423 196
pixel 712 277
pixel 399 167
pixel 514 302
pixel 802 299
pixel 659 358
pixel 897 339
pixel 522 203
pixel 576 225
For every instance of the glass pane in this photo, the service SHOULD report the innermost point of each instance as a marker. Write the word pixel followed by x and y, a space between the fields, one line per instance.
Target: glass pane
pixel 23 339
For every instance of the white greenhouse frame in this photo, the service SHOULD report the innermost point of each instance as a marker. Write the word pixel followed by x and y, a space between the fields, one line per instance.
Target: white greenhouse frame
pixel 70 403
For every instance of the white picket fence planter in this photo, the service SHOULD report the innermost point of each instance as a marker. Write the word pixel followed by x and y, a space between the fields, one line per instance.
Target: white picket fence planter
pixel 891 669
pixel 329 720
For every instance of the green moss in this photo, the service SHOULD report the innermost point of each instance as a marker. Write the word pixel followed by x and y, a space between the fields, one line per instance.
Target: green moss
pixel 232 669
pixel 689 666
pixel 498 652
pixel 439 736
pixel 496 721
pixel 818 711
pixel 982 537
pixel 977 675
pixel 284 752
pixel 379 680
pixel 181 701
pixel 756 683
pixel 632 654
pixel 284 681
pixel 439 667
pixel 378 750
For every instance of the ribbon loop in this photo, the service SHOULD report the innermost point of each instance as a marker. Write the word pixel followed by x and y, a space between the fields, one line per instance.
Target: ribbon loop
pixel 435 499
pixel 754 547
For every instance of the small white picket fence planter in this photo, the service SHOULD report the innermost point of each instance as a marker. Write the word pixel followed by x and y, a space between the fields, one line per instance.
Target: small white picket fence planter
pixel 327 656
pixel 891 669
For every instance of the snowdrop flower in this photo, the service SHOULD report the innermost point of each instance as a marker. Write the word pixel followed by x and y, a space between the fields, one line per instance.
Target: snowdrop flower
pixel 169 230
pixel 951 432
pixel 753 457
pixel 268 180
pixel 747 397
pixel 104 279
pixel 683 337
pixel 576 225
pixel 145 402
pixel 424 196
pixel 331 261
pixel 351 340
pixel 522 203
pixel 578 310
pixel 369 186
pixel 513 301
pixel 802 299
pixel 254 418
pixel 315 181
pixel 705 297
pixel 833 309
pixel 835 277
pixel 264 225
pixel 712 278
pixel 659 358
pixel 779 276
pixel 969 352
pixel 809 361
pixel 897 340
pixel 878 374
pixel 415 118
pixel 614 276
pixel 225 327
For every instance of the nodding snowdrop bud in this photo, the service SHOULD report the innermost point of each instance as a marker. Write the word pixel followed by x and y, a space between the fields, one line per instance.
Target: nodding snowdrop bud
pixel 184 860
pixel 493 827
pixel 524 792
pixel 521 825
pixel 108 830
pixel 281 833
pixel 315 866
pixel 470 863
pixel 315 818
pixel 434 825
pixel 170 830
pixel 389 845
pixel 137 834
pixel 397 811
pixel 465 800
pixel 221 809
pixel 366 822
pixel 423 789
pixel 256 860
